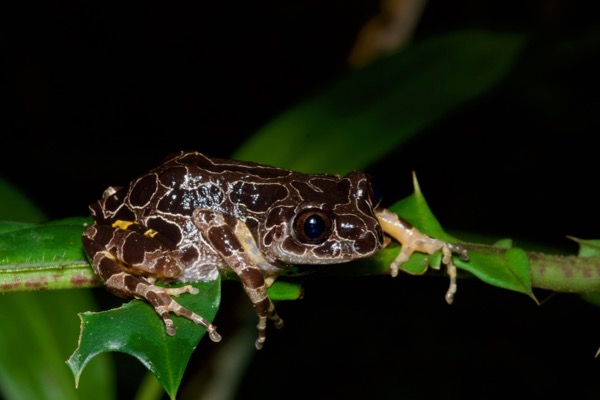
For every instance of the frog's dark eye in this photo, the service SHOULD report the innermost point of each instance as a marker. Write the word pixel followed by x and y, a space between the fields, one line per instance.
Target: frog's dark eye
pixel 312 226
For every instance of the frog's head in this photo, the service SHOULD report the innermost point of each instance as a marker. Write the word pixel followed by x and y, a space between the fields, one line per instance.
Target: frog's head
pixel 326 220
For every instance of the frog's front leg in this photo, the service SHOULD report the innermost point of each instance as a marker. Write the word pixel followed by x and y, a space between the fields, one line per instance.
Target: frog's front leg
pixel 232 239
pixel 413 240
pixel 128 259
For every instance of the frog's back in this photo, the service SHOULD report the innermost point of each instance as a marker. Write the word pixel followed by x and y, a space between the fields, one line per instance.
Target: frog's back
pixel 190 180
pixel 225 170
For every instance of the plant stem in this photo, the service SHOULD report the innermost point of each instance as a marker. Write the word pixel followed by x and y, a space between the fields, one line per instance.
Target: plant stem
pixel 71 276
pixel 571 274
pixel 565 273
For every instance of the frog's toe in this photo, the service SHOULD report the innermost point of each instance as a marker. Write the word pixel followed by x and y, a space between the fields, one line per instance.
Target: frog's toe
pixel 459 250
pixel 278 323
pixel 169 326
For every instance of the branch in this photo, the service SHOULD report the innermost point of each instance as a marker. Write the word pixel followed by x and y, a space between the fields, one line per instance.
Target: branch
pixel 50 256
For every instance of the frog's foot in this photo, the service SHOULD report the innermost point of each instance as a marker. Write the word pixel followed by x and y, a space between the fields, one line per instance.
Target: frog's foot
pixel 160 299
pixel 164 305
pixel 413 240
pixel 262 326
pixel 265 309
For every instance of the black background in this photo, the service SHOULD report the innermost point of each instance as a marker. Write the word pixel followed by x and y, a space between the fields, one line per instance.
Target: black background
pixel 94 94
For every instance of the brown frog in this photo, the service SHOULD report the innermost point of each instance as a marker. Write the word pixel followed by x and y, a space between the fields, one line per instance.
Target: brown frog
pixel 195 215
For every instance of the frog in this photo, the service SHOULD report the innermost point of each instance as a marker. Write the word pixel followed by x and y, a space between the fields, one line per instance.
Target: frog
pixel 194 217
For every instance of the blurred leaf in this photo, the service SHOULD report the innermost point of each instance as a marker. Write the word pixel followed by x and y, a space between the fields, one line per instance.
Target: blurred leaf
pixel 371 111
pixel 37 336
pixel 136 329
pixel 16 207
pixel 592 298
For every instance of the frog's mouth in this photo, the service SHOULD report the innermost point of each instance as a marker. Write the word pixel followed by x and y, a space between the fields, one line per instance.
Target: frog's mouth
pixel 358 266
pixel 331 252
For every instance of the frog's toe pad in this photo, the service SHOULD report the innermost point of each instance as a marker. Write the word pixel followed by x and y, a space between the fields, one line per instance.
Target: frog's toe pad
pixel 213 334
pixel 169 326
pixel 192 290
pixel 278 323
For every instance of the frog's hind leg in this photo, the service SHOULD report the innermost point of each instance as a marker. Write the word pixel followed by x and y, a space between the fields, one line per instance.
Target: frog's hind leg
pixel 121 272
pixel 232 239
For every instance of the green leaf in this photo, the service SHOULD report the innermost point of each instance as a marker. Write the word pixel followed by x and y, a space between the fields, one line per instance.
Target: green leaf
pixel 285 290
pixel 136 329
pixel 371 111
pixel 507 269
pixel 587 247
pixel 51 243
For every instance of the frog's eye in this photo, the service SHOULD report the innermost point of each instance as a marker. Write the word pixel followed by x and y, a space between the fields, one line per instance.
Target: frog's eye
pixel 312 226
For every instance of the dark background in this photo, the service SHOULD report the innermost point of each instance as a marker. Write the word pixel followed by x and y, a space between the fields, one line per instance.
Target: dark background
pixel 94 94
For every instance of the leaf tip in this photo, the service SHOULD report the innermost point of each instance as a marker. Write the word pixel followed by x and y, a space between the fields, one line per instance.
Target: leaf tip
pixel 74 362
pixel 416 183
pixel 532 297
pixel 75 367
